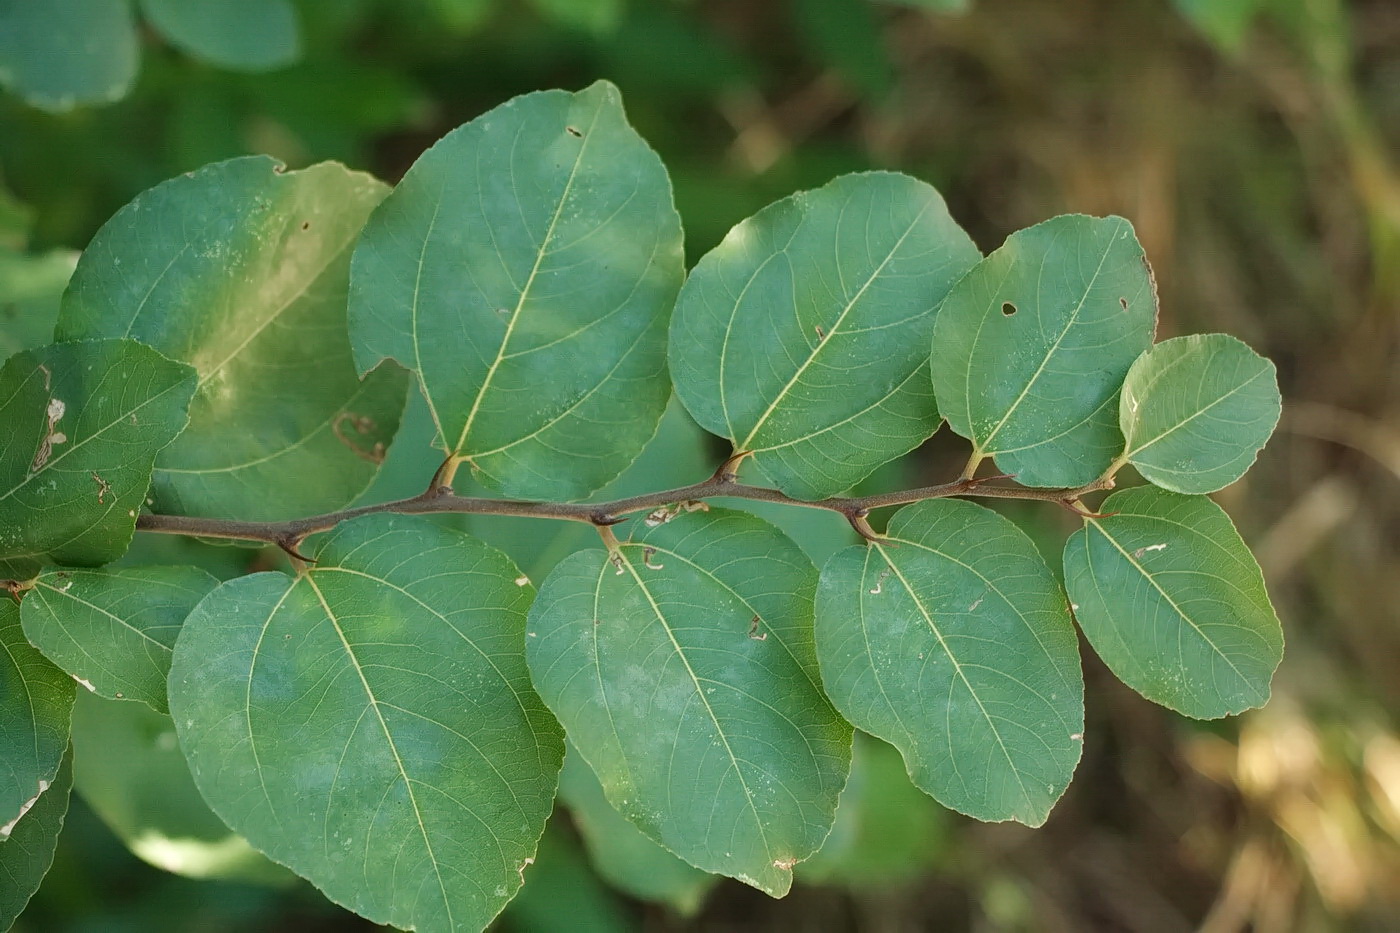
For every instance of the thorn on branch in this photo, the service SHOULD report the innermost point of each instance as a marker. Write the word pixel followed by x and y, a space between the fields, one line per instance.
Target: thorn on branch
pixel 605 519
pixel 728 471
pixel 290 545
pixel 860 523
pixel 1074 507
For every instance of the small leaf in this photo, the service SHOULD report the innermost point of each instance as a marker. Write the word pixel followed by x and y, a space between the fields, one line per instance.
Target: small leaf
pixel 950 639
pixel 682 669
pixel 59 54
pixel 36 704
pixel 1172 600
pixel 370 723
pixel 128 767
pixel 247 35
pixel 114 629
pixel 525 268
pixel 622 853
pixel 240 269
pixel 1196 410
pixel 26 855
pixel 1031 347
pixel 84 422
pixel 803 337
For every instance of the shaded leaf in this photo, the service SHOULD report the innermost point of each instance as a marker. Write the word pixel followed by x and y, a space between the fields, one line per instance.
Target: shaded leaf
pixel 525 268
pixel 1173 601
pixel 803 337
pixel 248 35
pixel 36 704
pixel 26 855
pixel 1196 410
pixel 683 672
pixel 887 833
pixel 128 767
pixel 84 422
pixel 114 629
pixel 1031 347
pixel 240 269
pixel 60 54
pixel 625 856
pixel 951 640
pixel 563 896
pixel 370 723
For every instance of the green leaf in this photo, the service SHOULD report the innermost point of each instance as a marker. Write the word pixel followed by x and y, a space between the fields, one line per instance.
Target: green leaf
pixel 128 767
pixel 525 268
pixel 625 856
pixel 803 337
pixel 370 723
pixel 240 269
pixel 30 286
pixel 84 422
pixel 950 639
pixel 26 855
pixel 247 35
pixel 36 703
pixel 683 672
pixel 1170 597
pixel 113 630
pixel 563 896
pixel 1223 22
pixel 1031 347
pixel 59 54
pixel 594 16
pixel 1196 411
pixel 887 833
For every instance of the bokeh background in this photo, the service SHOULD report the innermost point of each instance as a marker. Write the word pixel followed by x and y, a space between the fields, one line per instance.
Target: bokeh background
pixel 1254 144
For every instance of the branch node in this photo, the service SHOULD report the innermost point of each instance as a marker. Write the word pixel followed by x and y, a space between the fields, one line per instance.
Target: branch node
pixel 289 545
pixel 857 518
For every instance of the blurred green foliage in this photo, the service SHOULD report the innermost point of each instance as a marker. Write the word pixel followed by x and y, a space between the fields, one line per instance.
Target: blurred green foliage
pixel 1253 143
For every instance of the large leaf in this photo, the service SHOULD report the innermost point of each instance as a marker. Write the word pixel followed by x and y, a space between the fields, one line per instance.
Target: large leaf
pixel 83 423
pixel 26 855
pixel 61 53
pixel 36 705
pixel 240 269
pixel 803 337
pixel 1031 347
pixel 370 723
pixel 129 769
pixel 1196 410
pixel 114 630
pixel 1170 597
pixel 525 268
pixel 249 35
pixel 950 639
pixel 621 852
pixel 683 671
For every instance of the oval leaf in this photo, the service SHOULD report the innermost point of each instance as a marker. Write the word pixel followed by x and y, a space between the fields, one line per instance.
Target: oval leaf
pixel 1196 411
pixel 683 671
pixel 84 422
pixel 803 337
pixel 625 856
pixel 249 35
pixel 114 630
pixel 62 53
pixel 240 269
pixel 128 768
pixel 1031 347
pixel 370 724
pixel 36 706
pixel 1172 600
pixel 525 268
pixel 26 855
pixel 950 639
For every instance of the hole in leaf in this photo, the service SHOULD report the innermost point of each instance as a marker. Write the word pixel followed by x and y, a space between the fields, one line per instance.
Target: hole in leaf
pixel 1124 303
pixel 1008 309
pixel 306 225
pixel 574 132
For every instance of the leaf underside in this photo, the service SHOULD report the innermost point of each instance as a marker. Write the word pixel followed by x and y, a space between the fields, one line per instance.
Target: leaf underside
pixel 1031 347
pixel 684 674
pixel 370 724
pixel 803 337
pixel 525 268
pixel 1173 601
pixel 951 639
